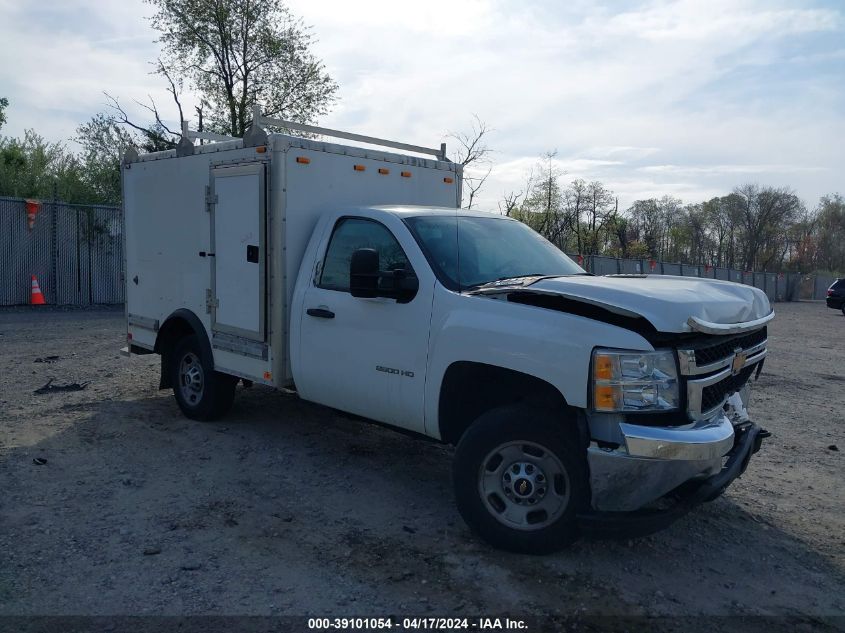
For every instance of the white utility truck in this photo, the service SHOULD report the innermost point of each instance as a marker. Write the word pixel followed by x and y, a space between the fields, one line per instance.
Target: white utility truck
pixel 578 404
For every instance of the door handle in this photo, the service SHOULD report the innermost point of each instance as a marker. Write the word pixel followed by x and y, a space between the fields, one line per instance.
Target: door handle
pixel 204 254
pixel 252 253
pixel 320 313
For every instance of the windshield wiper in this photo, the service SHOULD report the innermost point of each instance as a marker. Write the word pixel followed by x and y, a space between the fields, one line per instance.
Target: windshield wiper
pixel 537 277
pixel 509 277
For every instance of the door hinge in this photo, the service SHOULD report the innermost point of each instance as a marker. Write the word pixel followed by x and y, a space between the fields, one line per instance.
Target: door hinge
pixel 211 302
pixel 210 198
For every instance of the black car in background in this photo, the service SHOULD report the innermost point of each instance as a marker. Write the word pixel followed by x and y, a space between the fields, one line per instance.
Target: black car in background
pixel 836 295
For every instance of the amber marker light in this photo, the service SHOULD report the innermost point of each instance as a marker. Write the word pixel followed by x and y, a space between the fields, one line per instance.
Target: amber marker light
pixel 602 367
pixel 359 167
pixel 383 171
pixel 302 160
pixel 406 174
pixel 605 398
pixel 260 149
pixel 448 180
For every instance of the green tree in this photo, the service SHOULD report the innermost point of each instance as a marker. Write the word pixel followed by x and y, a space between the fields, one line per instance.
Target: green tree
pixel 599 213
pixel 236 53
pixel 542 207
pixel 4 103
pixel 766 214
pixel 722 217
pixel 34 168
pixel 830 229
pixel 104 142
pixel 646 226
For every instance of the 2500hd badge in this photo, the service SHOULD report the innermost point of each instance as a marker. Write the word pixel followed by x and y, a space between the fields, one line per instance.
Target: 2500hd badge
pixel 398 372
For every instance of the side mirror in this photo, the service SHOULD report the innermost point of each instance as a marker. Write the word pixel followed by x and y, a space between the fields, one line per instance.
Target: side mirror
pixel 405 286
pixel 363 273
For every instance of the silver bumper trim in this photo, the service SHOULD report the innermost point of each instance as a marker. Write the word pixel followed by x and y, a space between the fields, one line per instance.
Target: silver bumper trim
pixel 621 483
pixel 656 460
pixel 699 441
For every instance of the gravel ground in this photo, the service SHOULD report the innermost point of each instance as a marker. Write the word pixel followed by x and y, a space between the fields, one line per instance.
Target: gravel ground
pixel 288 508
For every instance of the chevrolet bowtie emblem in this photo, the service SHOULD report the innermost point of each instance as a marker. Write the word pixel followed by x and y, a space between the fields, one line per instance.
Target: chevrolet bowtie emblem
pixel 739 362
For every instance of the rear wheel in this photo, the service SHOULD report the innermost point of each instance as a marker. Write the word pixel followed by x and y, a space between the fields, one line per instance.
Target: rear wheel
pixel 521 478
pixel 201 392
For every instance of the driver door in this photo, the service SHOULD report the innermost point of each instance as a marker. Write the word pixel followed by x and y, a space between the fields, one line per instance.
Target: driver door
pixel 366 356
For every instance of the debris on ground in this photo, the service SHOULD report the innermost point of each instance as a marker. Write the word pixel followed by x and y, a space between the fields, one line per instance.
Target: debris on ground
pixel 833 447
pixel 39 461
pixel 50 387
pixel 46 359
pixel 302 494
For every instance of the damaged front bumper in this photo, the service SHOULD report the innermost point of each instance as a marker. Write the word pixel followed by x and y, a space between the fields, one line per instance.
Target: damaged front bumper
pixel 674 468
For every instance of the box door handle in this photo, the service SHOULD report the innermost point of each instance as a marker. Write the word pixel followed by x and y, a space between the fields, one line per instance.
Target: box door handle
pixel 252 253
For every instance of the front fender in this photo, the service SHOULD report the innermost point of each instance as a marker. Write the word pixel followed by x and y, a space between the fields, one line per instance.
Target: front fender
pixel 550 345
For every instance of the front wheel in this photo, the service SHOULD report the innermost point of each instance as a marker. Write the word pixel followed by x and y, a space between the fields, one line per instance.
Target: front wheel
pixel 201 392
pixel 520 479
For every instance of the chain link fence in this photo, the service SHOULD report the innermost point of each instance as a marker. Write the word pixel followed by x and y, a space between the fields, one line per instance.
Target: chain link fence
pixel 74 251
pixel 76 254
pixel 777 286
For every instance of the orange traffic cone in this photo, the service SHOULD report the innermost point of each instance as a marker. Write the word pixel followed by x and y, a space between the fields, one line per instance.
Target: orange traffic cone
pixel 37 297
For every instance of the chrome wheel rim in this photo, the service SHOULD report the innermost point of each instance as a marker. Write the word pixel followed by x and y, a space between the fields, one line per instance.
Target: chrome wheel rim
pixel 524 485
pixel 191 378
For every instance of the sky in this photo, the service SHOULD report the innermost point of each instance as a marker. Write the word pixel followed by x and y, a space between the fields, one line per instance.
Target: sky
pixel 688 98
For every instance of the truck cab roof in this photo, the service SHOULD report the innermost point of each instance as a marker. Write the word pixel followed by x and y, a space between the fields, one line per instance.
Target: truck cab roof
pixel 408 211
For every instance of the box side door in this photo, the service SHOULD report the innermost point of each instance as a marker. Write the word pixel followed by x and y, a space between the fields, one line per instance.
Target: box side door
pixel 238 220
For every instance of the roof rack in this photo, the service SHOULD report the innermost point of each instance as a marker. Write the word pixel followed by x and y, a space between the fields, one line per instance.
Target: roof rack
pixel 256 135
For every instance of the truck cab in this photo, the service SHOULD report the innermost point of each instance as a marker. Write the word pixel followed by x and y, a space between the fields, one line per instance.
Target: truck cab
pixel 576 404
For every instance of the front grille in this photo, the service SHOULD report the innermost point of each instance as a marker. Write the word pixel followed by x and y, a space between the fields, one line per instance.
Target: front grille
pixel 714 352
pixel 713 395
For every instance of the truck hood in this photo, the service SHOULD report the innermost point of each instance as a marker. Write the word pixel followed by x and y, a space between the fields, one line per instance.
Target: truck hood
pixel 667 302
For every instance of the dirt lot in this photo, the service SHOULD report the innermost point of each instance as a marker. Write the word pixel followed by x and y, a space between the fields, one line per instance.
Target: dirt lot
pixel 286 507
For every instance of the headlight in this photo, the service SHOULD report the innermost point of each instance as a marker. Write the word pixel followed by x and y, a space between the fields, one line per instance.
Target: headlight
pixel 634 381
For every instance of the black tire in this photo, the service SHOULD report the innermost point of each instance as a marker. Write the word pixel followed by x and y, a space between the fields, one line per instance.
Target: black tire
pixel 521 427
pixel 843 309
pixel 215 393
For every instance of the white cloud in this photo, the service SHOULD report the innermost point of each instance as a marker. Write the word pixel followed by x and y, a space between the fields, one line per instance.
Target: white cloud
pixel 746 170
pixel 706 20
pixel 684 97
pixel 623 151
pixel 591 84
pixel 63 55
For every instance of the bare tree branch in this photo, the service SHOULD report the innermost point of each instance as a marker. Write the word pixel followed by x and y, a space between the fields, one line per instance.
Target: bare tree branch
pixel 472 150
pixel 474 184
pixel 472 145
pixel 156 138
pixel 510 202
pixel 173 90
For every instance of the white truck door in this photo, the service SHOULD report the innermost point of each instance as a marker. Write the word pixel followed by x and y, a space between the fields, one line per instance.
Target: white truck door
pixel 238 248
pixel 365 356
